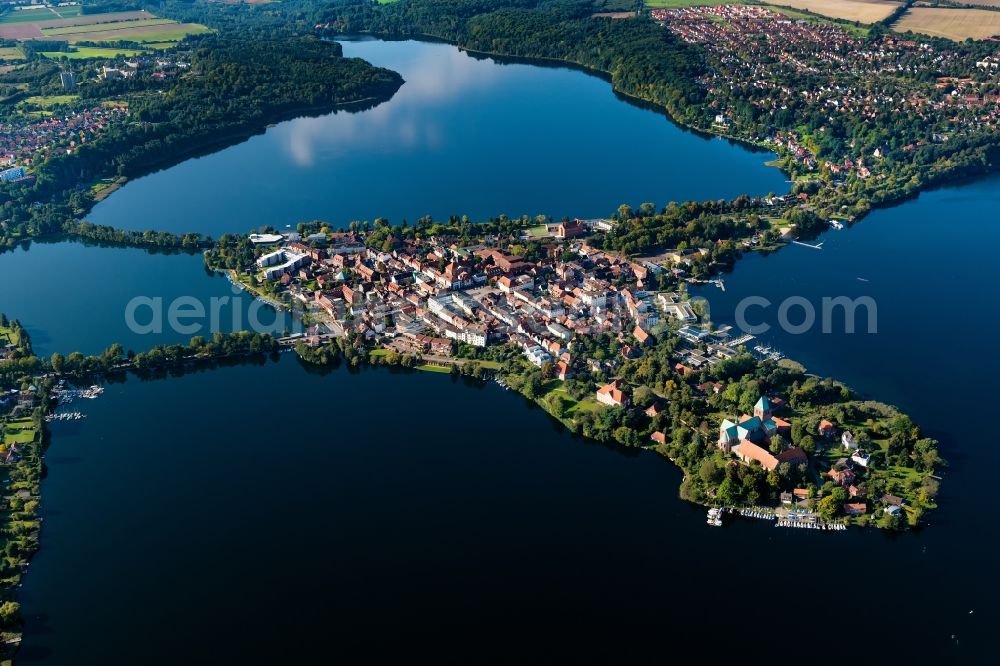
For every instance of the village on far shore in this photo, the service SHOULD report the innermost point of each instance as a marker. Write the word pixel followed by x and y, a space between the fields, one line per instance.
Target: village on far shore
pixel 613 348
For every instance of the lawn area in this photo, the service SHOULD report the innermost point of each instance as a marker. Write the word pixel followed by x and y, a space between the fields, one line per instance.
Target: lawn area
pixel 8 336
pixel 588 404
pixel 48 101
pixel 570 404
pixel 91 52
pixel 13 433
pixel 428 367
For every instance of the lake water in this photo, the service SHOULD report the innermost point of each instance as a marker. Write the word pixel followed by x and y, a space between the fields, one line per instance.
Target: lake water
pixel 279 515
pixel 464 135
pixel 73 297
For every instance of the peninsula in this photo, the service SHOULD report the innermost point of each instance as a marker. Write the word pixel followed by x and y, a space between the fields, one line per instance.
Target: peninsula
pixel 609 345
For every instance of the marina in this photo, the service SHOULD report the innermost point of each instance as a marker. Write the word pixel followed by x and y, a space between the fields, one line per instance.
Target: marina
pixel 64 416
pixel 715 517
pixel 66 396
pixel 793 518
pixel 765 352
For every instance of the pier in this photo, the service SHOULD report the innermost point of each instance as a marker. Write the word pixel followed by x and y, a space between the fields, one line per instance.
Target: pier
pixel 64 416
pixel 742 340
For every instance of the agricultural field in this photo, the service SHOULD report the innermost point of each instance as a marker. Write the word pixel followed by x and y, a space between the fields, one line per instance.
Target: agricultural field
pixel 978 3
pixel 169 32
pixel 96 52
pixel 56 33
pixel 31 14
pixel 957 24
pixel 862 11
pixel 11 53
pixel 137 26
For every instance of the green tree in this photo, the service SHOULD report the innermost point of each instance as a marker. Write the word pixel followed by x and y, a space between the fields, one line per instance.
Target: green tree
pixel 829 507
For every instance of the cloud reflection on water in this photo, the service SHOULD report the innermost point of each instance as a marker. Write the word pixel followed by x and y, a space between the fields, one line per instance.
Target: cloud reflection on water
pixel 405 123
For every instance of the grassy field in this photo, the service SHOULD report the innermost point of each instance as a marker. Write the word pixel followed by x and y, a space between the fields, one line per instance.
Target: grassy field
pixel 19 431
pixel 87 52
pixel 863 11
pixel 8 336
pixel 957 24
pixel 48 101
pixel 160 34
pixel 11 53
pixel 30 15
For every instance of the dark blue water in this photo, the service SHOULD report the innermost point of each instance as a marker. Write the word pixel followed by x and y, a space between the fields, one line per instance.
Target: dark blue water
pixel 462 136
pixel 71 297
pixel 274 515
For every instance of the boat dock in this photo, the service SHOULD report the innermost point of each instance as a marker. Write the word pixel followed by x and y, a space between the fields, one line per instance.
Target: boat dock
pixel 818 246
pixel 66 396
pixel 65 416
pixel 781 517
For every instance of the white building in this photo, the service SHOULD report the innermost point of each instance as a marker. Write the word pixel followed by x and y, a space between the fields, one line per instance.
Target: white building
pixel 277 263
pixel 537 355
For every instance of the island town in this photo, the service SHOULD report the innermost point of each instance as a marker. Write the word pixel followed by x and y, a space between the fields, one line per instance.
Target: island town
pixel 610 346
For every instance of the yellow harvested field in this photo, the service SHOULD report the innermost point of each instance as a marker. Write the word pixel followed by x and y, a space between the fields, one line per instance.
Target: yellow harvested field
pixel 863 11
pixel 980 3
pixel 957 24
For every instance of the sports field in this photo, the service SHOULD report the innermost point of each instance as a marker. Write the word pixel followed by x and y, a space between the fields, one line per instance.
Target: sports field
pixel 957 24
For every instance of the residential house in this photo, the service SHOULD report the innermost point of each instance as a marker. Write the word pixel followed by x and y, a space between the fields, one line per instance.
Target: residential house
pixel 856 508
pixel 613 394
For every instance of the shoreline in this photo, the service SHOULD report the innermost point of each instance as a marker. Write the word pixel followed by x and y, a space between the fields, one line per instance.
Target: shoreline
pixel 326 354
pixel 940 179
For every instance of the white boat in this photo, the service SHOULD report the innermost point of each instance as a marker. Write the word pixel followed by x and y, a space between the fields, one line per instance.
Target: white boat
pixel 714 517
